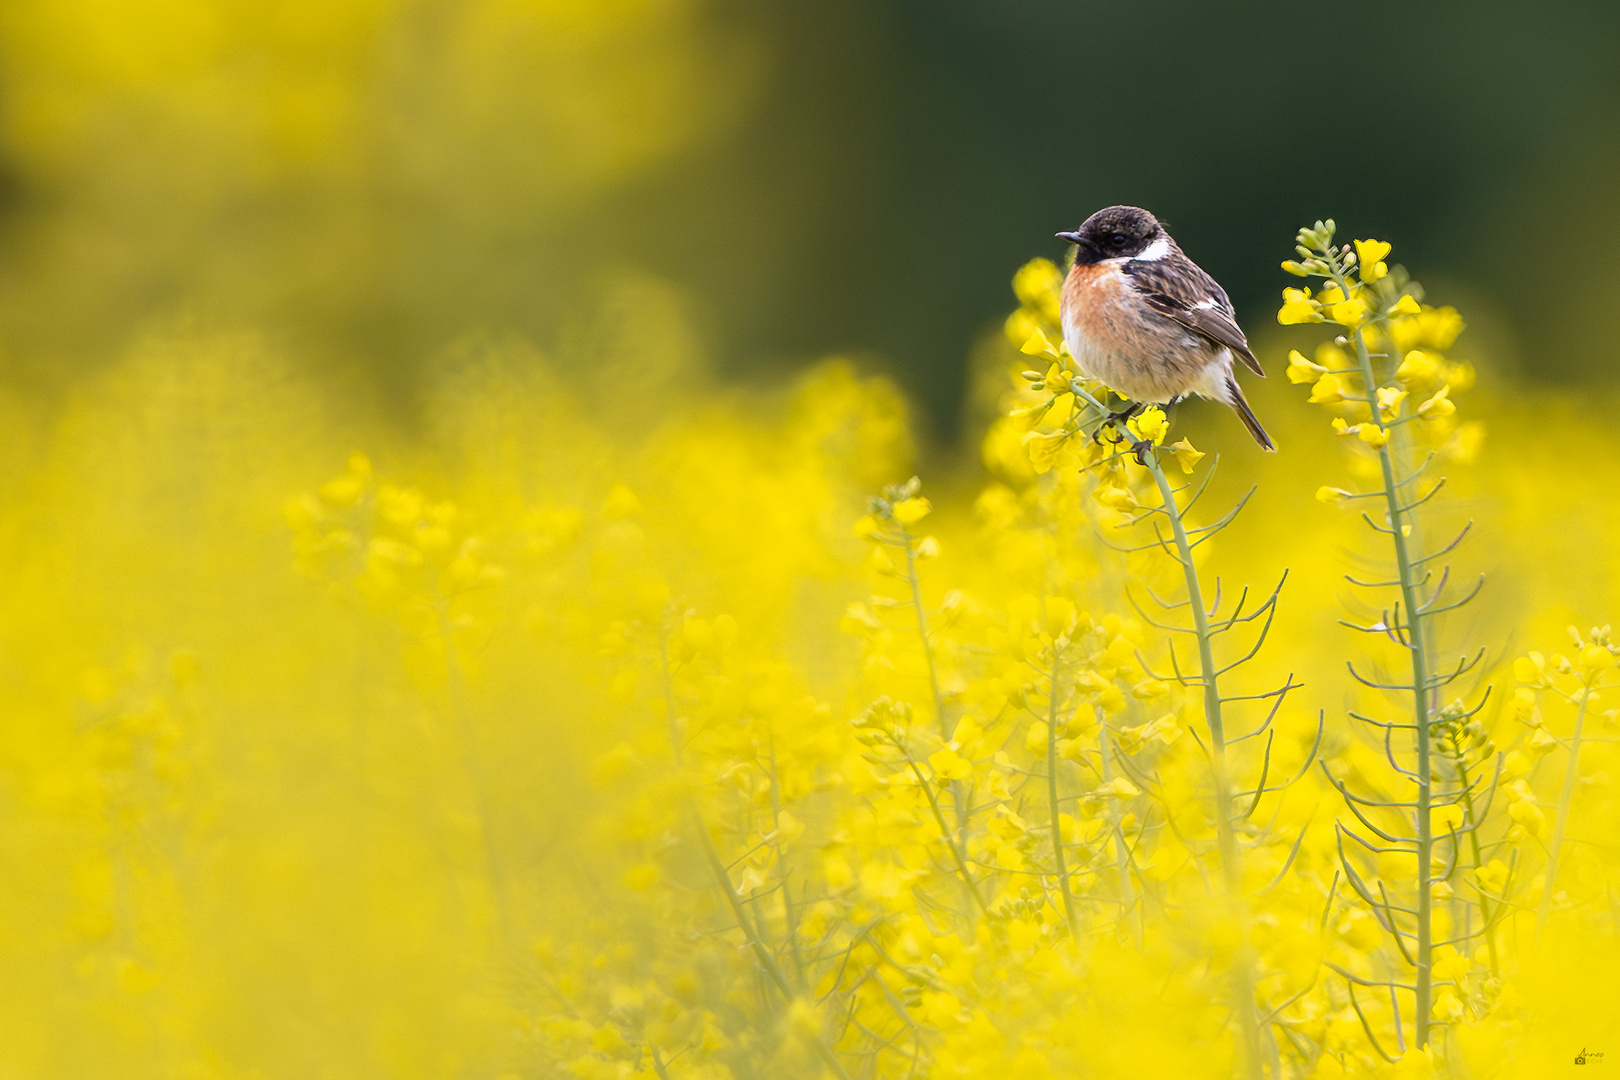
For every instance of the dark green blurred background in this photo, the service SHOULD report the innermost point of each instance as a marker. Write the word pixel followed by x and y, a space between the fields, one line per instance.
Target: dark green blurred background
pixel 862 176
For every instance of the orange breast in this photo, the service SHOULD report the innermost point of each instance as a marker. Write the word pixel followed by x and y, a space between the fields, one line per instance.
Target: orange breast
pixel 1117 339
pixel 1091 305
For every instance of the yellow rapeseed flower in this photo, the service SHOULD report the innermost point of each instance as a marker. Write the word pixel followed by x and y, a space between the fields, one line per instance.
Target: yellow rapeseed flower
pixel 948 765
pixel 1389 402
pixel 1327 391
pixel 1531 669
pixel 1117 788
pixel 1037 282
pixel 1350 312
pixel 1418 367
pixel 912 510
pixel 1037 344
pixel 1440 405
pixel 1448 1007
pixel 1301 370
pixel 1186 455
pixel 1370 256
pixel 1298 307
pixel 1442 819
pixel 1045 449
pixel 1115 497
pixel 1149 424
pixel 1492 877
pixel 1595 658
pixel 1371 251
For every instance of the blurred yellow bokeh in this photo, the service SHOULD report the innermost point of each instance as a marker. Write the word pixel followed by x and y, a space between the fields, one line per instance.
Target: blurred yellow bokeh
pixel 565 709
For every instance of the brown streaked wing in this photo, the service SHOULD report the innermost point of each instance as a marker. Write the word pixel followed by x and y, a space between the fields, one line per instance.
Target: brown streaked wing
pixel 1175 286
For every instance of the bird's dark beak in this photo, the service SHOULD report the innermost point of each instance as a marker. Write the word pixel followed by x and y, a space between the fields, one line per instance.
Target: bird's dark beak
pixel 1071 237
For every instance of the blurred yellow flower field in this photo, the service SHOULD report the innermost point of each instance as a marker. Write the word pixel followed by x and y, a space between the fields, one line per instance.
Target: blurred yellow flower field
pixel 583 713
pixel 611 729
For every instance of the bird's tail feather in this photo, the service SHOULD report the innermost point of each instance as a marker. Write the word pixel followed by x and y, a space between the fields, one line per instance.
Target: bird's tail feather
pixel 1246 414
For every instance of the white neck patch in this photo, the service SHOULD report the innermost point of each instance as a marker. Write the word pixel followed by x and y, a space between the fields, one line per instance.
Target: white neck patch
pixel 1154 251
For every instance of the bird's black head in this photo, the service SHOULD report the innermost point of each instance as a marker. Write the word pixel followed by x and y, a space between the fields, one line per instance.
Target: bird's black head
pixel 1119 232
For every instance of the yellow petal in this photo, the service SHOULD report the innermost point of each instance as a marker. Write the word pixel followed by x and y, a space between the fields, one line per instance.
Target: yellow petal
pixel 1349 312
pixel 1373 435
pixel 1187 456
pixel 1439 405
pixel 911 511
pixel 1301 370
pixel 1038 345
pixel 1371 251
pixel 1327 391
pixel 1150 424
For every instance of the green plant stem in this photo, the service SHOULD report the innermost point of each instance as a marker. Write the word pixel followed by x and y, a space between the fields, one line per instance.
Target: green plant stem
pixel 789 916
pixel 1473 843
pixel 922 632
pixel 1059 859
pixel 1122 852
pixel 766 960
pixel 1417 648
pixel 958 799
pixel 957 853
pixel 1562 817
pixel 1226 839
pixel 722 879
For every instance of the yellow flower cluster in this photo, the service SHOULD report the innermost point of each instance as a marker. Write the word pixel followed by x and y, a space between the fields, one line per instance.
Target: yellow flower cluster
pixel 1381 312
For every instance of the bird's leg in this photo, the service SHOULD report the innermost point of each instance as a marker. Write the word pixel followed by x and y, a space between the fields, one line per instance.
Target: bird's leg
pixel 1140 447
pixel 1117 418
pixel 1122 415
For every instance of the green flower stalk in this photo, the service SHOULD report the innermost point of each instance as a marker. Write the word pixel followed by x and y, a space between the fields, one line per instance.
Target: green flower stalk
pixel 888 523
pixel 1577 681
pixel 1059 860
pixel 752 928
pixel 1122 850
pixel 1226 839
pixel 1382 318
pixel 1144 434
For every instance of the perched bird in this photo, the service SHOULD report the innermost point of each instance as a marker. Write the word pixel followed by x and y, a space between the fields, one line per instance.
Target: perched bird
pixel 1142 318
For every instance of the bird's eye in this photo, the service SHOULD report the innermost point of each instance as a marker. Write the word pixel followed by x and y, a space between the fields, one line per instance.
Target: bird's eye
pixel 1119 239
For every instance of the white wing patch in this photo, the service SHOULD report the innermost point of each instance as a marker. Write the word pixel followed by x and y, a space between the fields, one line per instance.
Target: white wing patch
pixel 1154 251
pixel 1204 305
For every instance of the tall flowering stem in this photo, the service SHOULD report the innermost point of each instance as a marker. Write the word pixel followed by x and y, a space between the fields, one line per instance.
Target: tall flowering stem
pixel 1144 435
pixel 1059 859
pixel 1380 314
pixel 1577 680
pixel 1231 860
pixel 776 977
pixel 888 524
